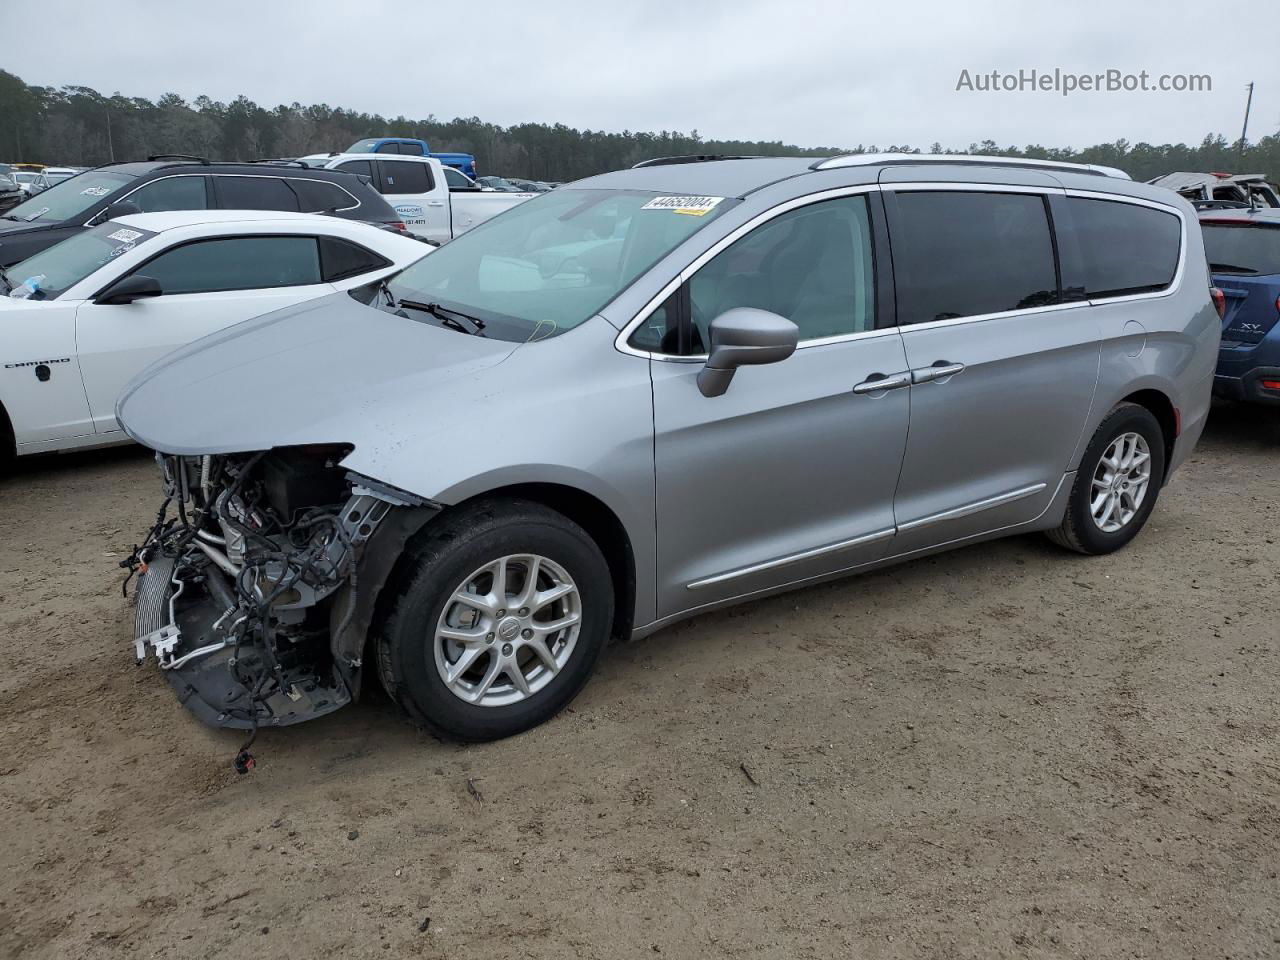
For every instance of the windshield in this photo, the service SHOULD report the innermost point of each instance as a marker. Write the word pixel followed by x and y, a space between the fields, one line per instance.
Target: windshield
pixel 65 264
pixel 363 146
pixel 550 263
pixel 1245 249
pixel 72 196
pixel 25 177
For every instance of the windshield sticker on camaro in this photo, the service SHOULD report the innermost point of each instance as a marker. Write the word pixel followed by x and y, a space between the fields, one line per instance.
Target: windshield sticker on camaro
pixel 692 206
pixel 124 236
pixel 95 191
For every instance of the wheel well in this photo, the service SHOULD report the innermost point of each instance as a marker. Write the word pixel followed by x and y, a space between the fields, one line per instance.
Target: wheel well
pixel 1162 409
pixel 604 527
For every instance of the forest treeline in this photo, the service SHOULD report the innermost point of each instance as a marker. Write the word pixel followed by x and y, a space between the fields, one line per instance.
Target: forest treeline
pixel 79 126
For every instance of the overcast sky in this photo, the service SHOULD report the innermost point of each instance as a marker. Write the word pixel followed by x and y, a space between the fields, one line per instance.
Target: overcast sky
pixel 808 72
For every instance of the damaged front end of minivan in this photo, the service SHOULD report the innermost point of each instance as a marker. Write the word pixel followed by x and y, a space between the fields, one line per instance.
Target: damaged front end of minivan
pixel 258 580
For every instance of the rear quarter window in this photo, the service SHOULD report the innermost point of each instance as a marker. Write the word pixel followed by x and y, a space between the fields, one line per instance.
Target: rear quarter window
pixel 1110 248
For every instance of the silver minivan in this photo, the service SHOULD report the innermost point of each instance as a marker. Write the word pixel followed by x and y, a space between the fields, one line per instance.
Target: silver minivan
pixel 650 394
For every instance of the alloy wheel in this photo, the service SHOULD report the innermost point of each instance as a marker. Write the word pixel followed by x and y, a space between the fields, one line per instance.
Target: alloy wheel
pixel 507 630
pixel 1120 482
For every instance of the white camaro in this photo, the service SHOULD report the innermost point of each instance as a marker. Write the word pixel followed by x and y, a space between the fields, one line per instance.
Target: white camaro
pixel 80 319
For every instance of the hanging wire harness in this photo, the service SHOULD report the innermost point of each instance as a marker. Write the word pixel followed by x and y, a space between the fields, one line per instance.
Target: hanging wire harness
pixel 248 571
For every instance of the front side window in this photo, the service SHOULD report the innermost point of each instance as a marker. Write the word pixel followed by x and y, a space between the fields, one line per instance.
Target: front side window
pixel 549 264
pixel 236 263
pixel 256 193
pixel 404 176
pixel 1242 248
pixel 813 265
pixel 963 254
pixel 1122 248
pixel 65 264
pixel 171 193
pixel 71 197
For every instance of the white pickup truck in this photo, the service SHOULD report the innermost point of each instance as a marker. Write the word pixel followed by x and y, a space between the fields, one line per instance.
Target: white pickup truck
pixel 437 202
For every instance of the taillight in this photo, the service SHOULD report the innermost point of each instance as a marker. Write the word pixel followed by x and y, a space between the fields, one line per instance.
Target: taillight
pixel 1220 301
pixel 399 225
pixel 1277 304
pixel 1271 384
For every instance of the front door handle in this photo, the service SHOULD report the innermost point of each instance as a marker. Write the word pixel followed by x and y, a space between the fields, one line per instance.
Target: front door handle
pixel 941 370
pixel 879 383
pixel 435 203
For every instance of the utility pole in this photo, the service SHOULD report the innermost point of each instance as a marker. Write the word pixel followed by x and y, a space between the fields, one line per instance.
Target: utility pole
pixel 112 149
pixel 1244 132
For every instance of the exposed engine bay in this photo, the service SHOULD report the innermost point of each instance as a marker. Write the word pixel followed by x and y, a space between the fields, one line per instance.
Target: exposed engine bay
pixel 248 579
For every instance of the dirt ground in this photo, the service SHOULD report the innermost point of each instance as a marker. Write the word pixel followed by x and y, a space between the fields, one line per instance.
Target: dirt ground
pixel 1002 751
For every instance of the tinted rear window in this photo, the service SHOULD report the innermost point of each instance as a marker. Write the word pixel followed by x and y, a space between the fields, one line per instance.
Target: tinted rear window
pixel 256 193
pixel 966 253
pixel 318 196
pixel 340 259
pixel 1119 248
pixel 1245 249
pixel 405 176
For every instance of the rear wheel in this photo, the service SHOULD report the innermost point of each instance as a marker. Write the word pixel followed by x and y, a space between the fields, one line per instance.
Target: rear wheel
pixel 499 623
pixel 8 450
pixel 1117 484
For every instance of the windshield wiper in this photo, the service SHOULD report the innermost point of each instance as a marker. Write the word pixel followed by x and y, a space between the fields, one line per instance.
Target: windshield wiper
pixel 453 318
pixel 1230 268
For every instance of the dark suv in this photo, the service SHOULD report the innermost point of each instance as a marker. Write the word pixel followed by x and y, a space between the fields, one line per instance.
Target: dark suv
pixel 183 183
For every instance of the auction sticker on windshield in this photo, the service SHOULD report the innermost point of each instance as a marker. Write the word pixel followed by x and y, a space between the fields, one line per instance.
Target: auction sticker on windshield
pixel 124 235
pixel 692 206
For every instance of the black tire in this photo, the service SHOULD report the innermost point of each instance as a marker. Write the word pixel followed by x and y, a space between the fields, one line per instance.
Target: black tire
pixel 8 450
pixel 453 547
pixel 1078 530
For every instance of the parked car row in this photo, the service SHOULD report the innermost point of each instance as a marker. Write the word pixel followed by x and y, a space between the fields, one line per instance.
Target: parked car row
pixel 649 394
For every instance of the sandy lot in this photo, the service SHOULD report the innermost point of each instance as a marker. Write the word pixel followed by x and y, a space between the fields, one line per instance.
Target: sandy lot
pixel 1003 751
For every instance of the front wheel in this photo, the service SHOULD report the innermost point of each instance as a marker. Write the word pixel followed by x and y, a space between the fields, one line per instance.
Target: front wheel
pixel 499 623
pixel 1117 484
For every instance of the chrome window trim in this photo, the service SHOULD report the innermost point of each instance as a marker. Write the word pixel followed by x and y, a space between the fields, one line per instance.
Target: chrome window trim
pixel 621 344
pixel 258 176
pixel 791 558
pixel 968 186
pixel 1176 283
pixel 620 341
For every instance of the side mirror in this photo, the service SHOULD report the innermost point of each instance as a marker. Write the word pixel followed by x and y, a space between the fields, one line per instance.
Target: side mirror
pixel 136 287
pixel 741 336
pixel 114 211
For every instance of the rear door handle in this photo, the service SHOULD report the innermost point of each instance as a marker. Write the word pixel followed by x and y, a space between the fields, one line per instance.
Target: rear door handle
pixel 435 203
pixel 879 383
pixel 941 370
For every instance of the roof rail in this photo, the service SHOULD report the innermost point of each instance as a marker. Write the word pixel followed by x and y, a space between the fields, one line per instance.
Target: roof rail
pixel 179 156
pixel 691 158
pixel 973 159
pixel 281 162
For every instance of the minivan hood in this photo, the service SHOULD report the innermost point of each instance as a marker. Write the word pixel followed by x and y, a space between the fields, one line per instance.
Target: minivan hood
pixel 327 371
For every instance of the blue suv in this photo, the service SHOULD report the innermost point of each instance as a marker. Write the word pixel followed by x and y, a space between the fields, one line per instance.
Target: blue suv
pixel 1243 247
